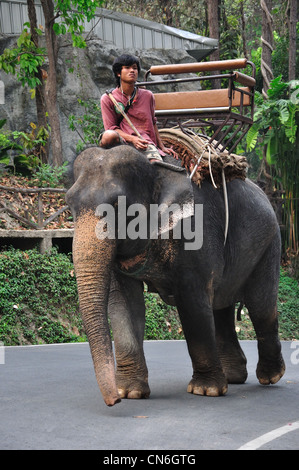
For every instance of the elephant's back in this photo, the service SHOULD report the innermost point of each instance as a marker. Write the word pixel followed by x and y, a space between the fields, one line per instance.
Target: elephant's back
pixel 252 220
pixel 249 197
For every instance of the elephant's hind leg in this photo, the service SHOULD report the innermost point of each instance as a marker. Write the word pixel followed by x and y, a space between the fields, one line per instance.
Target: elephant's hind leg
pixel 261 301
pixel 127 315
pixel 231 356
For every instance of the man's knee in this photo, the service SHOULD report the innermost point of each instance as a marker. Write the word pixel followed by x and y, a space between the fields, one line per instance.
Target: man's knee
pixel 109 139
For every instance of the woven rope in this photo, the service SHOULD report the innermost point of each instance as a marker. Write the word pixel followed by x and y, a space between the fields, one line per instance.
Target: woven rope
pixel 194 150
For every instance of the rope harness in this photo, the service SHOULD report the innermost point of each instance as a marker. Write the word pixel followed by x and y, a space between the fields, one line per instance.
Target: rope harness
pixel 203 161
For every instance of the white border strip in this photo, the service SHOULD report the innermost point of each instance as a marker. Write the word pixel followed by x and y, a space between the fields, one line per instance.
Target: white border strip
pixel 270 436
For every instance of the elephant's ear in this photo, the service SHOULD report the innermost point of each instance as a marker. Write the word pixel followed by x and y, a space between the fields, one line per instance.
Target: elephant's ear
pixel 85 191
pixel 173 193
pixel 72 198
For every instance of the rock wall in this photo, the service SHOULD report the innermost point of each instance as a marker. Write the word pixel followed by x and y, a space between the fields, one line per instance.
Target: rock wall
pixel 91 77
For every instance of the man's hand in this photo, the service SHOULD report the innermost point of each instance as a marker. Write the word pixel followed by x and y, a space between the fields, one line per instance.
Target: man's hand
pixel 170 151
pixel 139 143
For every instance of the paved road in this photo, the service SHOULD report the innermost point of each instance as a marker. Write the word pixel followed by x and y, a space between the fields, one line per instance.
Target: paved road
pixel 49 399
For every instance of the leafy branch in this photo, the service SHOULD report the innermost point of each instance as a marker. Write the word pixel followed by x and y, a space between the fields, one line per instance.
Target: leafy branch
pixel 275 137
pixel 89 125
pixel 73 14
pixel 23 150
pixel 25 59
pixel 275 120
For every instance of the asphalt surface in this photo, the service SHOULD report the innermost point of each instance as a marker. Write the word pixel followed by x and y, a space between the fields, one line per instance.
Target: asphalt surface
pixel 49 399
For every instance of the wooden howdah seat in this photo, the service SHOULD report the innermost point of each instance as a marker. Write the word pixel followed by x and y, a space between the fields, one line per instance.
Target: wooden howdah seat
pixel 224 114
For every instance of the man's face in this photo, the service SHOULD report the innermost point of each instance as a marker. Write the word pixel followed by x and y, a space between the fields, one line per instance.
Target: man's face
pixel 129 73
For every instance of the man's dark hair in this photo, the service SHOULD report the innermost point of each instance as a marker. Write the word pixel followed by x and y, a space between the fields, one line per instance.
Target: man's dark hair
pixel 124 59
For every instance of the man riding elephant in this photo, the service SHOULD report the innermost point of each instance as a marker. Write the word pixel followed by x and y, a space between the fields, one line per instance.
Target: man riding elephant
pixel 233 263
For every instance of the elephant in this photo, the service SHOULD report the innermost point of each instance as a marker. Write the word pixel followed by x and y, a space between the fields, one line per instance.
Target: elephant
pixel 204 280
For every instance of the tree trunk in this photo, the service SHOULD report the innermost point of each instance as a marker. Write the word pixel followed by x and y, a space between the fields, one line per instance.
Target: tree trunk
pixel 51 85
pixel 292 39
pixel 267 45
pixel 213 17
pixel 266 63
pixel 243 29
pixel 39 91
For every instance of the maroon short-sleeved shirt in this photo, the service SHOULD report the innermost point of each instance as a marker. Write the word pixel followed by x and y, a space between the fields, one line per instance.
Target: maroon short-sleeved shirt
pixel 141 113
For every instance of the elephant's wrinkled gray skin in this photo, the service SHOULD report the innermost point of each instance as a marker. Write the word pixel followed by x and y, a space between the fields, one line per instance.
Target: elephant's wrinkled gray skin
pixel 204 284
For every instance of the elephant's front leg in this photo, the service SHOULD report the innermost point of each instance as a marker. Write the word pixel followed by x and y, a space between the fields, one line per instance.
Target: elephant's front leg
pixel 196 315
pixel 127 315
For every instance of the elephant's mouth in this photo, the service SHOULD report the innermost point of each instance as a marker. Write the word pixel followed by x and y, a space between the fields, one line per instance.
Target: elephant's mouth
pixel 134 265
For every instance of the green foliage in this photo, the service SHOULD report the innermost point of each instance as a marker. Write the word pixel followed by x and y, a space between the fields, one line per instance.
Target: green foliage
pixel 230 38
pixel 72 16
pixel 24 59
pixel 48 176
pixel 256 58
pixel 89 125
pixel 22 151
pixel 280 55
pixel 275 119
pixel 39 303
pixel 38 298
pixel 275 132
pixel 162 321
pixel 280 60
pixel 7 144
pixel 288 306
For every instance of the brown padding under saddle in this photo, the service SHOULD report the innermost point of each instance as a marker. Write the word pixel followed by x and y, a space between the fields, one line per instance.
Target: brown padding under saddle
pixel 195 150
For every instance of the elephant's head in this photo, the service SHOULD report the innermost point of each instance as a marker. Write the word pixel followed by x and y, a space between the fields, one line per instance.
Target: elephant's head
pixel 102 179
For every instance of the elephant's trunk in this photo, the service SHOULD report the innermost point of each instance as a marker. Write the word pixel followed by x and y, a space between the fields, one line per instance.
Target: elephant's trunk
pixel 93 261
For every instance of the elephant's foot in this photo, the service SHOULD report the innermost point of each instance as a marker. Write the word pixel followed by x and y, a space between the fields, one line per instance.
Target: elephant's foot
pixel 269 372
pixel 134 389
pixel 234 366
pixel 208 384
pixel 236 374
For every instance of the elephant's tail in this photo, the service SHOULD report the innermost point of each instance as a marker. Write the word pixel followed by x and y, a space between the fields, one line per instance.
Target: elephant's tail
pixel 239 311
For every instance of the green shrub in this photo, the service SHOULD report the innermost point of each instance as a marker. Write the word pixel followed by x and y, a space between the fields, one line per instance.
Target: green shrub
pixel 22 152
pixel 39 303
pixel 162 321
pixel 88 125
pixel 38 298
pixel 288 307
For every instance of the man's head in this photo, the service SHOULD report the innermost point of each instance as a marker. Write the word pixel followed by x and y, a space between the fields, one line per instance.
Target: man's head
pixel 124 60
